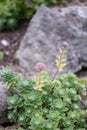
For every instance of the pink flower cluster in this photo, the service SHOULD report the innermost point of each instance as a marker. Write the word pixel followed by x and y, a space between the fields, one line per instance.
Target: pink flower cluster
pixel 40 66
pixel 64 44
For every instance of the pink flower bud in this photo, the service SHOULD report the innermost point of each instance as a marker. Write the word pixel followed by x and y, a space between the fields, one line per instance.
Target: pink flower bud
pixel 40 66
pixel 64 44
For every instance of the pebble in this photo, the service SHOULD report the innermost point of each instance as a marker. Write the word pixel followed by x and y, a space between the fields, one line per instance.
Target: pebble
pixel 4 42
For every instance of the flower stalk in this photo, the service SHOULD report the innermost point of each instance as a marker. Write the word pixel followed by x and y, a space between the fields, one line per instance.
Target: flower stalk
pixel 39 67
pixel 61 60
pixel 39 78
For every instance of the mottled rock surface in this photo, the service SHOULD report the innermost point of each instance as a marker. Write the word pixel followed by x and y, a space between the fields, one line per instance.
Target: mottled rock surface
pixel 46 31
pixel 3 104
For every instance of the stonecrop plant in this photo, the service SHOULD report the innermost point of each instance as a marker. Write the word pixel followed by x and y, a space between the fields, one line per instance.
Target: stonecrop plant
pixel 44 102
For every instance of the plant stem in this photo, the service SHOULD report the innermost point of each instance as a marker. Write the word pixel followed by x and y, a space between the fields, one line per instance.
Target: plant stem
pixel 40 77
pixel 55 74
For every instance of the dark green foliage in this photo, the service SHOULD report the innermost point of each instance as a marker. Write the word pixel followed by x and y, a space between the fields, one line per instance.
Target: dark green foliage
pixel 55 107
pixel 8 12
pixel 11 11
pixel 10 77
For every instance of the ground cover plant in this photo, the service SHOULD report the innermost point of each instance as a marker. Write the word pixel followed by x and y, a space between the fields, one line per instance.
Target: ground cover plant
pixel 1 56
pixel 12 11
pixel 43 102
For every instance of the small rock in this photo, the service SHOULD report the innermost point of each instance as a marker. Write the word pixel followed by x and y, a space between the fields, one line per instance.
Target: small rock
pixel 4 42
pixel 7 53
pixel 3 104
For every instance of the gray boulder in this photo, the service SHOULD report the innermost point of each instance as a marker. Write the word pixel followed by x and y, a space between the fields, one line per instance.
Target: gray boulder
pixel 45 33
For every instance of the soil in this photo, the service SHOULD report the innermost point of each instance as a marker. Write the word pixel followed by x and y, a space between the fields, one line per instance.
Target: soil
pixel 13 127
pixel 14 37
